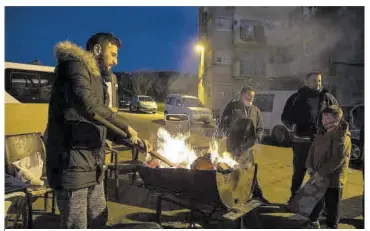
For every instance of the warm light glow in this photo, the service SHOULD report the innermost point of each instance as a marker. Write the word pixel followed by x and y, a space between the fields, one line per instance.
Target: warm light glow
pixel 178 151
pixel 175 148
pixel 216 158
pixel 199 48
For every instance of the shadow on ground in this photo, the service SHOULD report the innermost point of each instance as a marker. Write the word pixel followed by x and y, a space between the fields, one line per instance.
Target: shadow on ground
pixel 357 223
pixel 151 217
pixel 135 226
pixel 353 207
pixel 46 221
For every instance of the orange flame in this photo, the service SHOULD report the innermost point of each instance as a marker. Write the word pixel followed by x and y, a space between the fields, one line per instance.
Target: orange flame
pixel 178 151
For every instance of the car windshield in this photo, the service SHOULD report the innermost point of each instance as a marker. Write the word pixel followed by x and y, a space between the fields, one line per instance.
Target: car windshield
pixel 192 102
pixel 145 99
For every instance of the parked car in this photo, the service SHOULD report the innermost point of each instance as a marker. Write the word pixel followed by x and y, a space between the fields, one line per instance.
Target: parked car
pixel 354 115
pixel 143 103
pixel 188 105
pixel 124 102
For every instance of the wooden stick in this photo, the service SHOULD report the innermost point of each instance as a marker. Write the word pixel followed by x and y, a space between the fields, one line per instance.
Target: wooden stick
pixel 140 146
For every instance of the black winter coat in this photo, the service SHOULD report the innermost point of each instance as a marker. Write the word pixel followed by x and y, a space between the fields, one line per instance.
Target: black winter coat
pixel 297 111
pixel 75 142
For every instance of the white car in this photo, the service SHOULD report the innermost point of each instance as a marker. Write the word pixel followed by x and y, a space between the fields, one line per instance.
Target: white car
pixel 143 103
pixel 188 105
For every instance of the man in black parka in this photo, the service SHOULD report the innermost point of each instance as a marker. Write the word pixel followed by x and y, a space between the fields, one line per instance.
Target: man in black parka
pixel 75 141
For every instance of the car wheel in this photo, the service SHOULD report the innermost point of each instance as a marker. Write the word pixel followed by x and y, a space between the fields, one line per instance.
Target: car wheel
pixel 280 135
pixel 131 109
pixel 355 152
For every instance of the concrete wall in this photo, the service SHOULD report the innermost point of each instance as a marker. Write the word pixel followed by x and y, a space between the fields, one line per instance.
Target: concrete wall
pixel 312 41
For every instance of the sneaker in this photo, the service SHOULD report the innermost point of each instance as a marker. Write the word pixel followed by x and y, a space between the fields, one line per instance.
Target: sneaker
pixel 313 225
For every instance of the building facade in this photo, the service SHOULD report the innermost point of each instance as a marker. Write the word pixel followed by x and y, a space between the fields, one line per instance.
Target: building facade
pixel 272 48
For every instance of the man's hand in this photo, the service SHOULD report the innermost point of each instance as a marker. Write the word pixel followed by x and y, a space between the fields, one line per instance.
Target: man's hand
pixel 133 135
pixel 148 147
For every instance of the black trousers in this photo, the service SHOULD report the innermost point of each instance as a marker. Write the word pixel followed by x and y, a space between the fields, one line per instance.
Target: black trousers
pixel 300 153
pixel 331 201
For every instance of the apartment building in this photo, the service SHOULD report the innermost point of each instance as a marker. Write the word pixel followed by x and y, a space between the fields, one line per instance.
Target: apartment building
pixel 329 40
pixel 272 48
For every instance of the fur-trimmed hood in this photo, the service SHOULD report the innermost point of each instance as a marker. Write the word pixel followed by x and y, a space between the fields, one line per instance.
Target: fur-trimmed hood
pixel 66 51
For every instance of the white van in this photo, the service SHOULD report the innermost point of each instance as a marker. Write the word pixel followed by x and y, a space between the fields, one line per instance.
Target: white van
pixel 271 104
pixel 188 105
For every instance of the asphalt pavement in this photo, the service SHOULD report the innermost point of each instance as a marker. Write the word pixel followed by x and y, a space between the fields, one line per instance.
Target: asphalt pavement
pixel 137 205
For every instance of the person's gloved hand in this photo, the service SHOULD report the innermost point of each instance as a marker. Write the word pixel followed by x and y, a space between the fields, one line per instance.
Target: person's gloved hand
pixel 133 135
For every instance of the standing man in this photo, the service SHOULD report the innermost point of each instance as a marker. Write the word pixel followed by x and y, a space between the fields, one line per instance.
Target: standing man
pixel 234 112
pixel 75 141
pixel 302 113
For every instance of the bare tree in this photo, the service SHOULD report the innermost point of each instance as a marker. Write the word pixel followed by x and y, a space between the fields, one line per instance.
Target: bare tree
pixel 141 83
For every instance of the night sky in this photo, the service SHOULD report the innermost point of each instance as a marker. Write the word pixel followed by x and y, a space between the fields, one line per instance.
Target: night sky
pixel 154 38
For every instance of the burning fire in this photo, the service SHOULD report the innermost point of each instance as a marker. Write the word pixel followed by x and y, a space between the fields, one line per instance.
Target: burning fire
pixel 216 158
pixel 178 151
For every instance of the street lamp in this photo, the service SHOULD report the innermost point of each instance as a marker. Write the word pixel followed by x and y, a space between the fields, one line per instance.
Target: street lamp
pixel 200 49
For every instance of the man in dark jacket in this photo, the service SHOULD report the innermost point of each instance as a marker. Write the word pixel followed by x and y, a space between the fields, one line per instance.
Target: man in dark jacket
pixel 75 141
pixel 234 112
pixel 302 113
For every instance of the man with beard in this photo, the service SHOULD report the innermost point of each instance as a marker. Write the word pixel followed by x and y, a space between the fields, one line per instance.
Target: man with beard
pixel 302 113
pixel 75 141
pixel 232 115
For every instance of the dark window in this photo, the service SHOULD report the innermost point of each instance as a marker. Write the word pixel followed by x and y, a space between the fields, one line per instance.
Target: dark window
pixel 192 102
pixel 250 31
pixel 170 101
pixel 265 102
pixel 29 86
pixel 178 103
